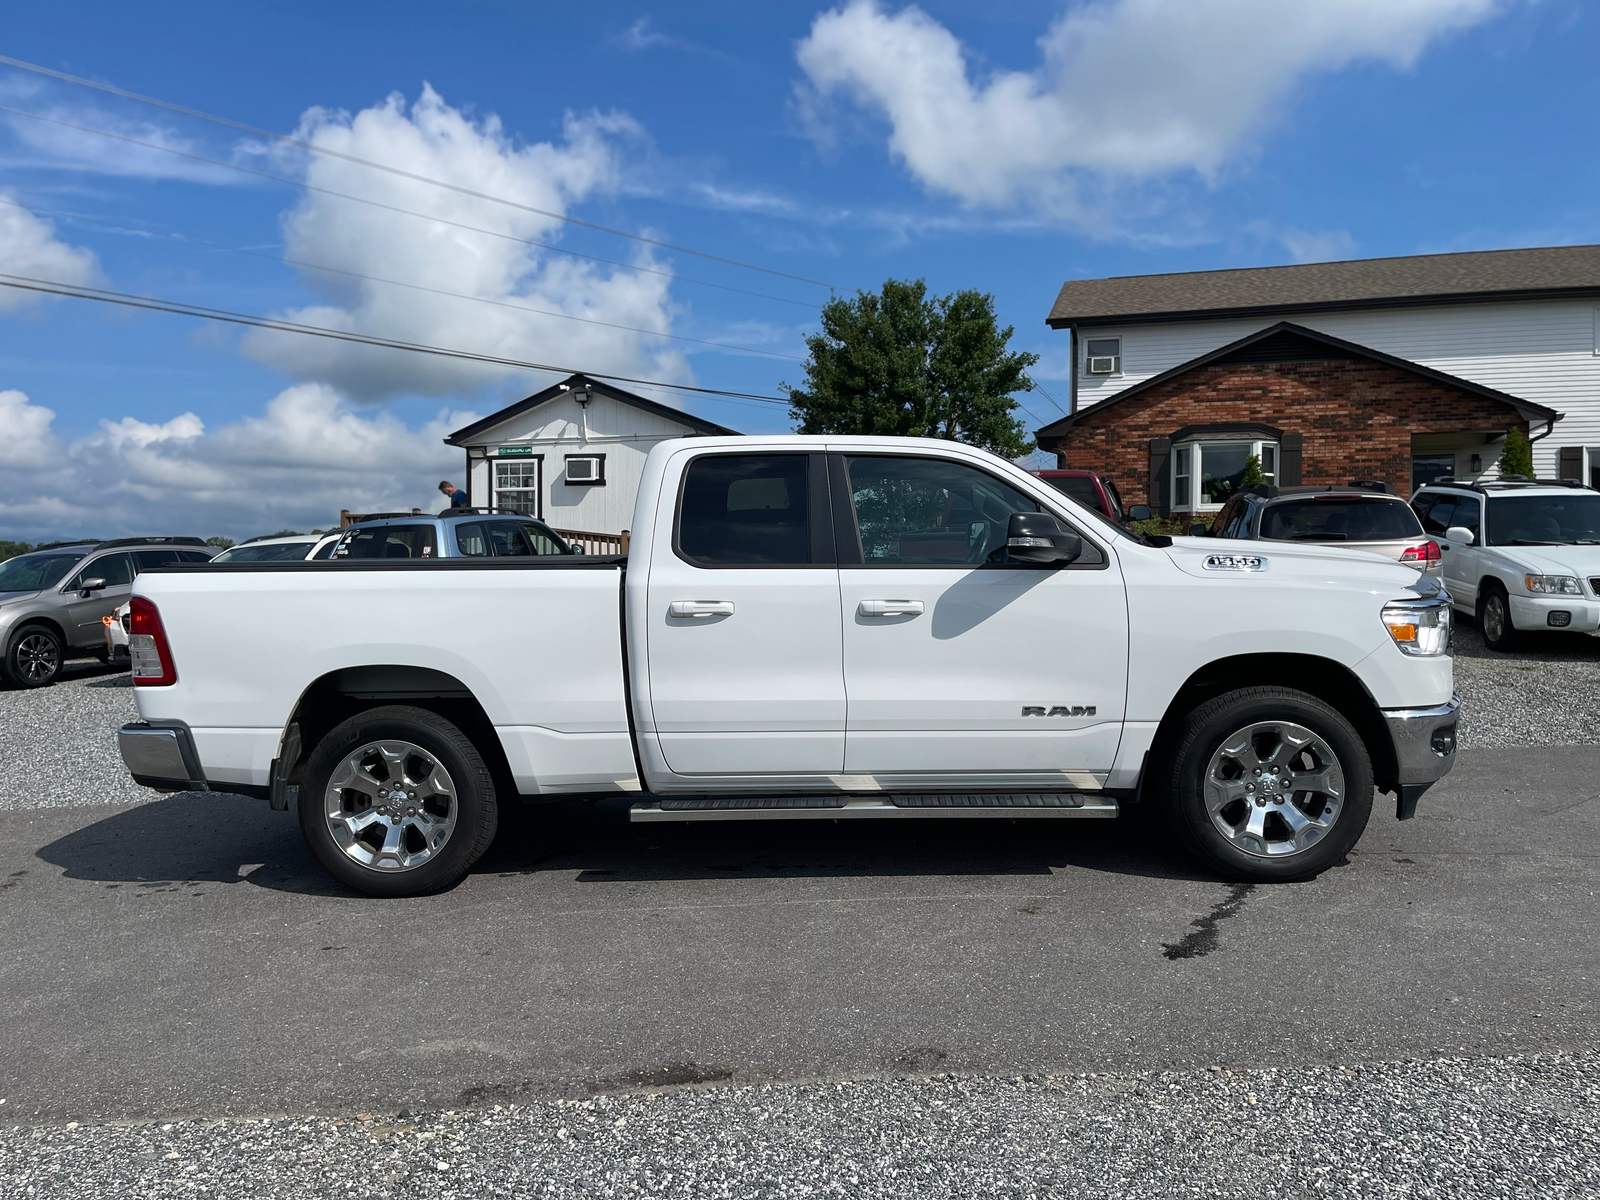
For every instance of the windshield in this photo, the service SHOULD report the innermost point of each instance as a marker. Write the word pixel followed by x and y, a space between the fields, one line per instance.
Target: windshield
pixel 1079 488
pixel 30 572
pixel 1551 520
pixel 282 552
pixel 1354 520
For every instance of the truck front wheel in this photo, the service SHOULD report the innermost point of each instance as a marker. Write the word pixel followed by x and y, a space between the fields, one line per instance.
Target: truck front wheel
pixel 398 802
pixel 1268 785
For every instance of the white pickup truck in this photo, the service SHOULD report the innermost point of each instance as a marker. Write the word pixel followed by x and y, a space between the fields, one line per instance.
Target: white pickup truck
pixel 807 628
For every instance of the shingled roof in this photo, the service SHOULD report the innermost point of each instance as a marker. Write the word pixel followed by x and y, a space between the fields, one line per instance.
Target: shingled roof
pixel 1363 283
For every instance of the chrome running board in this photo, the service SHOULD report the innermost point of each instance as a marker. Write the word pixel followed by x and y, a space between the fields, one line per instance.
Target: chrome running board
pixel 837 808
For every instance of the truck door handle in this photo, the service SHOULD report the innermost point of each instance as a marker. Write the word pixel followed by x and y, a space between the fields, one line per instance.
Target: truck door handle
pixel 700 608
pixel 890 608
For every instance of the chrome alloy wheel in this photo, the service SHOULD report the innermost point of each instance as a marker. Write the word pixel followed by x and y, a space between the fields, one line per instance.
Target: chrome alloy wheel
pixel 37 657
pixel 1274 789
pixel 390 806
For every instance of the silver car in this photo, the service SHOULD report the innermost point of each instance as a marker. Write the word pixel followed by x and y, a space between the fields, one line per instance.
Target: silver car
pixel 54 601
pixel 1359 517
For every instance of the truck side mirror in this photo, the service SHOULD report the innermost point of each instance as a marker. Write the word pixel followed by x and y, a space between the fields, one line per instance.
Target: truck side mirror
pixel 1461 534
pixel 1139 512
pixel 1037 537
pixel 92 585
pixel 1198 529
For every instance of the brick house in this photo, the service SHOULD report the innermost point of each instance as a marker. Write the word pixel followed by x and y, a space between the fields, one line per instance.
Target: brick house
pixel 1402 370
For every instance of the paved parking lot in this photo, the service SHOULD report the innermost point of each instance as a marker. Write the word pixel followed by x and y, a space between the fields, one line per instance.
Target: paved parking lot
pixel 1015 1009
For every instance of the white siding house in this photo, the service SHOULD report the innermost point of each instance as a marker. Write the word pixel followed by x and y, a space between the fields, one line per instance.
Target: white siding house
pixel 1523 322
pixel 571 455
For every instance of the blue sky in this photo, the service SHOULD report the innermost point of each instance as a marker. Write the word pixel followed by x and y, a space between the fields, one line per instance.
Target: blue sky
pixel 999 146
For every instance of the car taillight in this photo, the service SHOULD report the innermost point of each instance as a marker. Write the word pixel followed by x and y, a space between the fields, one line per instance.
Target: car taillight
pixel 1428 552
pixel 147 646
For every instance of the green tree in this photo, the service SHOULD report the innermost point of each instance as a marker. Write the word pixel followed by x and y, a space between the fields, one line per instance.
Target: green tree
pixel 12 549
pixel 906 364
pixel 1517 457
pixel 224 542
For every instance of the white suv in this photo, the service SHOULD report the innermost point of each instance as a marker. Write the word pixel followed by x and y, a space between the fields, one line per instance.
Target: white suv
pixel 1519 554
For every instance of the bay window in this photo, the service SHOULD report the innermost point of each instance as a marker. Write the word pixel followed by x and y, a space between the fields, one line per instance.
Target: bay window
pixel 1206 474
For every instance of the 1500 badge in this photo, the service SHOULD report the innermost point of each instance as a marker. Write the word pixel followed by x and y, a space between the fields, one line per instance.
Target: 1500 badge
pixel 1058 710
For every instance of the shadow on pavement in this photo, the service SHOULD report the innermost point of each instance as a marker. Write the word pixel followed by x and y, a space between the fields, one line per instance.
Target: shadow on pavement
pixel 197 837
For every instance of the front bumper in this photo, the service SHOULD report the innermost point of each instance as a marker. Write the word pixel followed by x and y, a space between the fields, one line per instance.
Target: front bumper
pixel 1533 613
pixel 1424 749
pixel 161 757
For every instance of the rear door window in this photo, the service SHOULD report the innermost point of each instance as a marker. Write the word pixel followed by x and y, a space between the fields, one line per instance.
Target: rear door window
pixel 390 541
pixel 472 540
pixel 145 559
pixel 746 510
pixel 1439 514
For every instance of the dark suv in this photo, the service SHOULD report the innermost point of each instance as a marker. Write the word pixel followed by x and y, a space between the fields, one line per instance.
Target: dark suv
pixel 54 601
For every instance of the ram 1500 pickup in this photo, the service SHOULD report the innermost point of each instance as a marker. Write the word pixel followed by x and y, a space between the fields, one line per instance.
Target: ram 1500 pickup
pixel 807 628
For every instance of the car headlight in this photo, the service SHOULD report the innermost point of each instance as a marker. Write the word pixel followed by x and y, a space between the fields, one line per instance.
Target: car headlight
pixel 1553 585
pixel 1419 627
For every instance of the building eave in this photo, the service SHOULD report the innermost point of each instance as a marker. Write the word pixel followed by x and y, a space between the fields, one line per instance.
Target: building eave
pixel 468 434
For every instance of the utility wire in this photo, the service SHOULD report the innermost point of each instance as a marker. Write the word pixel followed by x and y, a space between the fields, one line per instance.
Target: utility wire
pixel 1047 395
pixel 294 262
pixel 129 300
pixel 311 187
pixel 393 170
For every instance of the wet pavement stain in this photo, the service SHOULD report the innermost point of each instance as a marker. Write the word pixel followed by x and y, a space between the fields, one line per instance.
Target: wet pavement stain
pixel 1202 939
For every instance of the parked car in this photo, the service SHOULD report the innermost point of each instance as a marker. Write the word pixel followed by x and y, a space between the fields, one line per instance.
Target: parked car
pixel 117 636
pixel 1362 516
pixel 1094 491
pixel 53 601
pixel 1003 652
pixel 1519 554
pixel 298 546
pixel 454 533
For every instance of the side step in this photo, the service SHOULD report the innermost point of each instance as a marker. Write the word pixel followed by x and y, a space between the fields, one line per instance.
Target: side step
pixel 836 808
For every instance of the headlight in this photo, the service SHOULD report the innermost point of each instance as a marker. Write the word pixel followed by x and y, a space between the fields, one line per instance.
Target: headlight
pixel 1420 627
pixel 1553 585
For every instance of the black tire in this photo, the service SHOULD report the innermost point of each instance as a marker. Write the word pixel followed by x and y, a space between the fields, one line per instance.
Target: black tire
pixel 1201 736
pixel 34 657
pixel 476 807
pixel 1494 619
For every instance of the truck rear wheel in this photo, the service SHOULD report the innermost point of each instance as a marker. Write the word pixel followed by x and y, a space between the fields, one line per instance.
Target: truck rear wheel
pixel 1268 785
pixel 398 802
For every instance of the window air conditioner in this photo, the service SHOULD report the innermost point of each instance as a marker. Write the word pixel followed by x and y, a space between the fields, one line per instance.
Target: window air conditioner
pixel 1103 365
pixel 583 470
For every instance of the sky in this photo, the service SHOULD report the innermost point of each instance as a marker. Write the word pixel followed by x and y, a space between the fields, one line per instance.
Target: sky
pixel 670 194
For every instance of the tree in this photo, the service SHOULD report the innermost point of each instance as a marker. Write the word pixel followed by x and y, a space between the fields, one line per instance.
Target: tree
pixel 1252 472
pixel 902 363
pixel 224 542
pixel 1517 457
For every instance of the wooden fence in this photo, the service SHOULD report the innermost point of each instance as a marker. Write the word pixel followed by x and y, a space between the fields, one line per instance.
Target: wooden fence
pixel 596 543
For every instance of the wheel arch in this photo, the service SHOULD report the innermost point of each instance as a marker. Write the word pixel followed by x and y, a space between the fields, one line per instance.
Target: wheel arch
pixel 50 623
pixel 339 695
pixel 1329 681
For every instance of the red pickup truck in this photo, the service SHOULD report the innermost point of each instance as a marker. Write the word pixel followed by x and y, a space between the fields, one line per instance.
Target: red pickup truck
pixel 1094 491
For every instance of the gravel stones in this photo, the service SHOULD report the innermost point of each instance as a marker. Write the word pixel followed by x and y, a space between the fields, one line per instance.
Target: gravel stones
pixel 1455 1127
pixel 1547 693
pixel 60 742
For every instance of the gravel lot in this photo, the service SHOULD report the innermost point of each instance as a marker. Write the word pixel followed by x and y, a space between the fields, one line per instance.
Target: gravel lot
pixel 1484 1127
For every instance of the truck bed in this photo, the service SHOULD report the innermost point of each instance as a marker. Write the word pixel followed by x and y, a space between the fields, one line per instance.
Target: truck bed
pixel 537 642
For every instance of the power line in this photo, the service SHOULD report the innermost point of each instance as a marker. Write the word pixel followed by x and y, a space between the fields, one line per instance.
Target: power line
pixel 393 170
pixel 1047 395
pixel 180 308
pixel 399 282
pixel 311 187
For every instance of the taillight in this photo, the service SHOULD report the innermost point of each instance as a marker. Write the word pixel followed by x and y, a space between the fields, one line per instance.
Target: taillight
pixel 147 646
pixel 1428 552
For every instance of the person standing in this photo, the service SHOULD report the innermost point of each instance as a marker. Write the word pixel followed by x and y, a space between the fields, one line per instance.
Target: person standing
pixel 457 497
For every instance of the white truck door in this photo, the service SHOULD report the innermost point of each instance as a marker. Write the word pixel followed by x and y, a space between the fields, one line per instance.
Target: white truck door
pixel 957 666
pixel 743 631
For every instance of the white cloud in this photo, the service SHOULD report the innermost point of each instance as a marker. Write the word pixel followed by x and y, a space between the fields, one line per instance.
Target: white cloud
pixel 29 246
pixel 435 140
pixel 1127 90
pixel 56 144
pixel 306 456
pixel 1318 245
